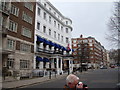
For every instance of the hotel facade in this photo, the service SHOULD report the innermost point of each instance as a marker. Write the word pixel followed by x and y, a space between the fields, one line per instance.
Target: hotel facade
pixel 52 41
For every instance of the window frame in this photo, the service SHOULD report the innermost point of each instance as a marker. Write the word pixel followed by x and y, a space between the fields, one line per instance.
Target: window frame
pixel 25 33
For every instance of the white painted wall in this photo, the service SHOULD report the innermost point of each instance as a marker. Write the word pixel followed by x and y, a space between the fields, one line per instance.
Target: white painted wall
pixel 51 26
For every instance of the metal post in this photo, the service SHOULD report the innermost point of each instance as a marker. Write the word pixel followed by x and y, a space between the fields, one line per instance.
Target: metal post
pixel 50 71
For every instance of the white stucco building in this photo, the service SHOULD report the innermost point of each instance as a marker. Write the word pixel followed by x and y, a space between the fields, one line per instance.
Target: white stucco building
pixel 52 36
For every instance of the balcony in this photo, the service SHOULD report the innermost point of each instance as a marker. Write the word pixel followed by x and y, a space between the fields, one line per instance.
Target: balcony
pixel 5 10
pixel 6 51
pixel 4 31
pixel 48 51
pixel 44 51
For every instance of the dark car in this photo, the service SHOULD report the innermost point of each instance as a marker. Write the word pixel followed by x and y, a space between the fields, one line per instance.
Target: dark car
pixel 112 66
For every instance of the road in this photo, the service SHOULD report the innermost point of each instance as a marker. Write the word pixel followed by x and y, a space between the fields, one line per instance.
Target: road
pixel 100 78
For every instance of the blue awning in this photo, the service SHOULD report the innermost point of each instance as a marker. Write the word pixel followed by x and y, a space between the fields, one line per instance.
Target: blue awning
pixel 56 45
pixel 46 42
pixel 39 39
pixel 60 46
pixel 39 58
pixel 45 59
pixel 63 48
pixel 51 43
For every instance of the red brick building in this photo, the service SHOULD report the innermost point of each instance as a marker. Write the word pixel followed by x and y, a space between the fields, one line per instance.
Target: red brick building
pixel 18 22
pixel 93 53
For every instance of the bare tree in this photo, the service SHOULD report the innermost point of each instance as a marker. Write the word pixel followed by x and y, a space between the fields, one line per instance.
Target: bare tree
pixel 114 26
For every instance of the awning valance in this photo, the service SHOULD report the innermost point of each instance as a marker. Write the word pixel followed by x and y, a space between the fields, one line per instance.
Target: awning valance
pixel 45 59
pixel 39 39
pixel 63 48
pixel 39 58
pixel 46 42
pixel 51 43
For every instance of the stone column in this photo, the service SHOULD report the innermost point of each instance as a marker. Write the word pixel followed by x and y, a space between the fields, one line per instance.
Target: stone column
pixel 47 64
pixel 61 66
pixel 41 65
pixel 41 45
pixel 52 63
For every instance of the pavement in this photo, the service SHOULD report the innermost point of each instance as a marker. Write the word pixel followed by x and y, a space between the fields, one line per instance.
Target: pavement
pixel 22 83
pixel 31 81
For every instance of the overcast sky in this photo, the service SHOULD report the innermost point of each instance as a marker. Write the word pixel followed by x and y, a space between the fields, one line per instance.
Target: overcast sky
pixel 89 18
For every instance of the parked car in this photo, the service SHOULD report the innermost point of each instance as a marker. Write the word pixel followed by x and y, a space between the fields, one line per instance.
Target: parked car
pixel 103 67
pixel 112 66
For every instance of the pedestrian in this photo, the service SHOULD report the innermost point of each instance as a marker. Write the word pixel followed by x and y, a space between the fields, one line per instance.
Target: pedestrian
pixel 72 83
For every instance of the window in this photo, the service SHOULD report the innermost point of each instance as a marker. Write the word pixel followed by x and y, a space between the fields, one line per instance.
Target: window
pixel 58 36
pixel 62 38
pixel 4 5
pixel 44 15
pixel 25 47
pixel 90 44
pixel 61 28
pixel 50 9
pixel 90 40
pixel 13 26
pixel 66 30
pixel 29 6
pixel 54 34
pixel 26 32
pixel 38 25
pixel 66 22
pixel 45 4
pixel 49 19
pixel 91 48
pixel 58 26
pixel 49 31
pixel 74 45
pixel 74 41
pixel 39 10
pixel 14 10
pixel 24 64
pixel 10 63
pixel 44 29
pixel 91 56
pixel 54 23
pixel 27 18
pixel 11 44
pixel 85 41
pixel 67 40
pixel 54 13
